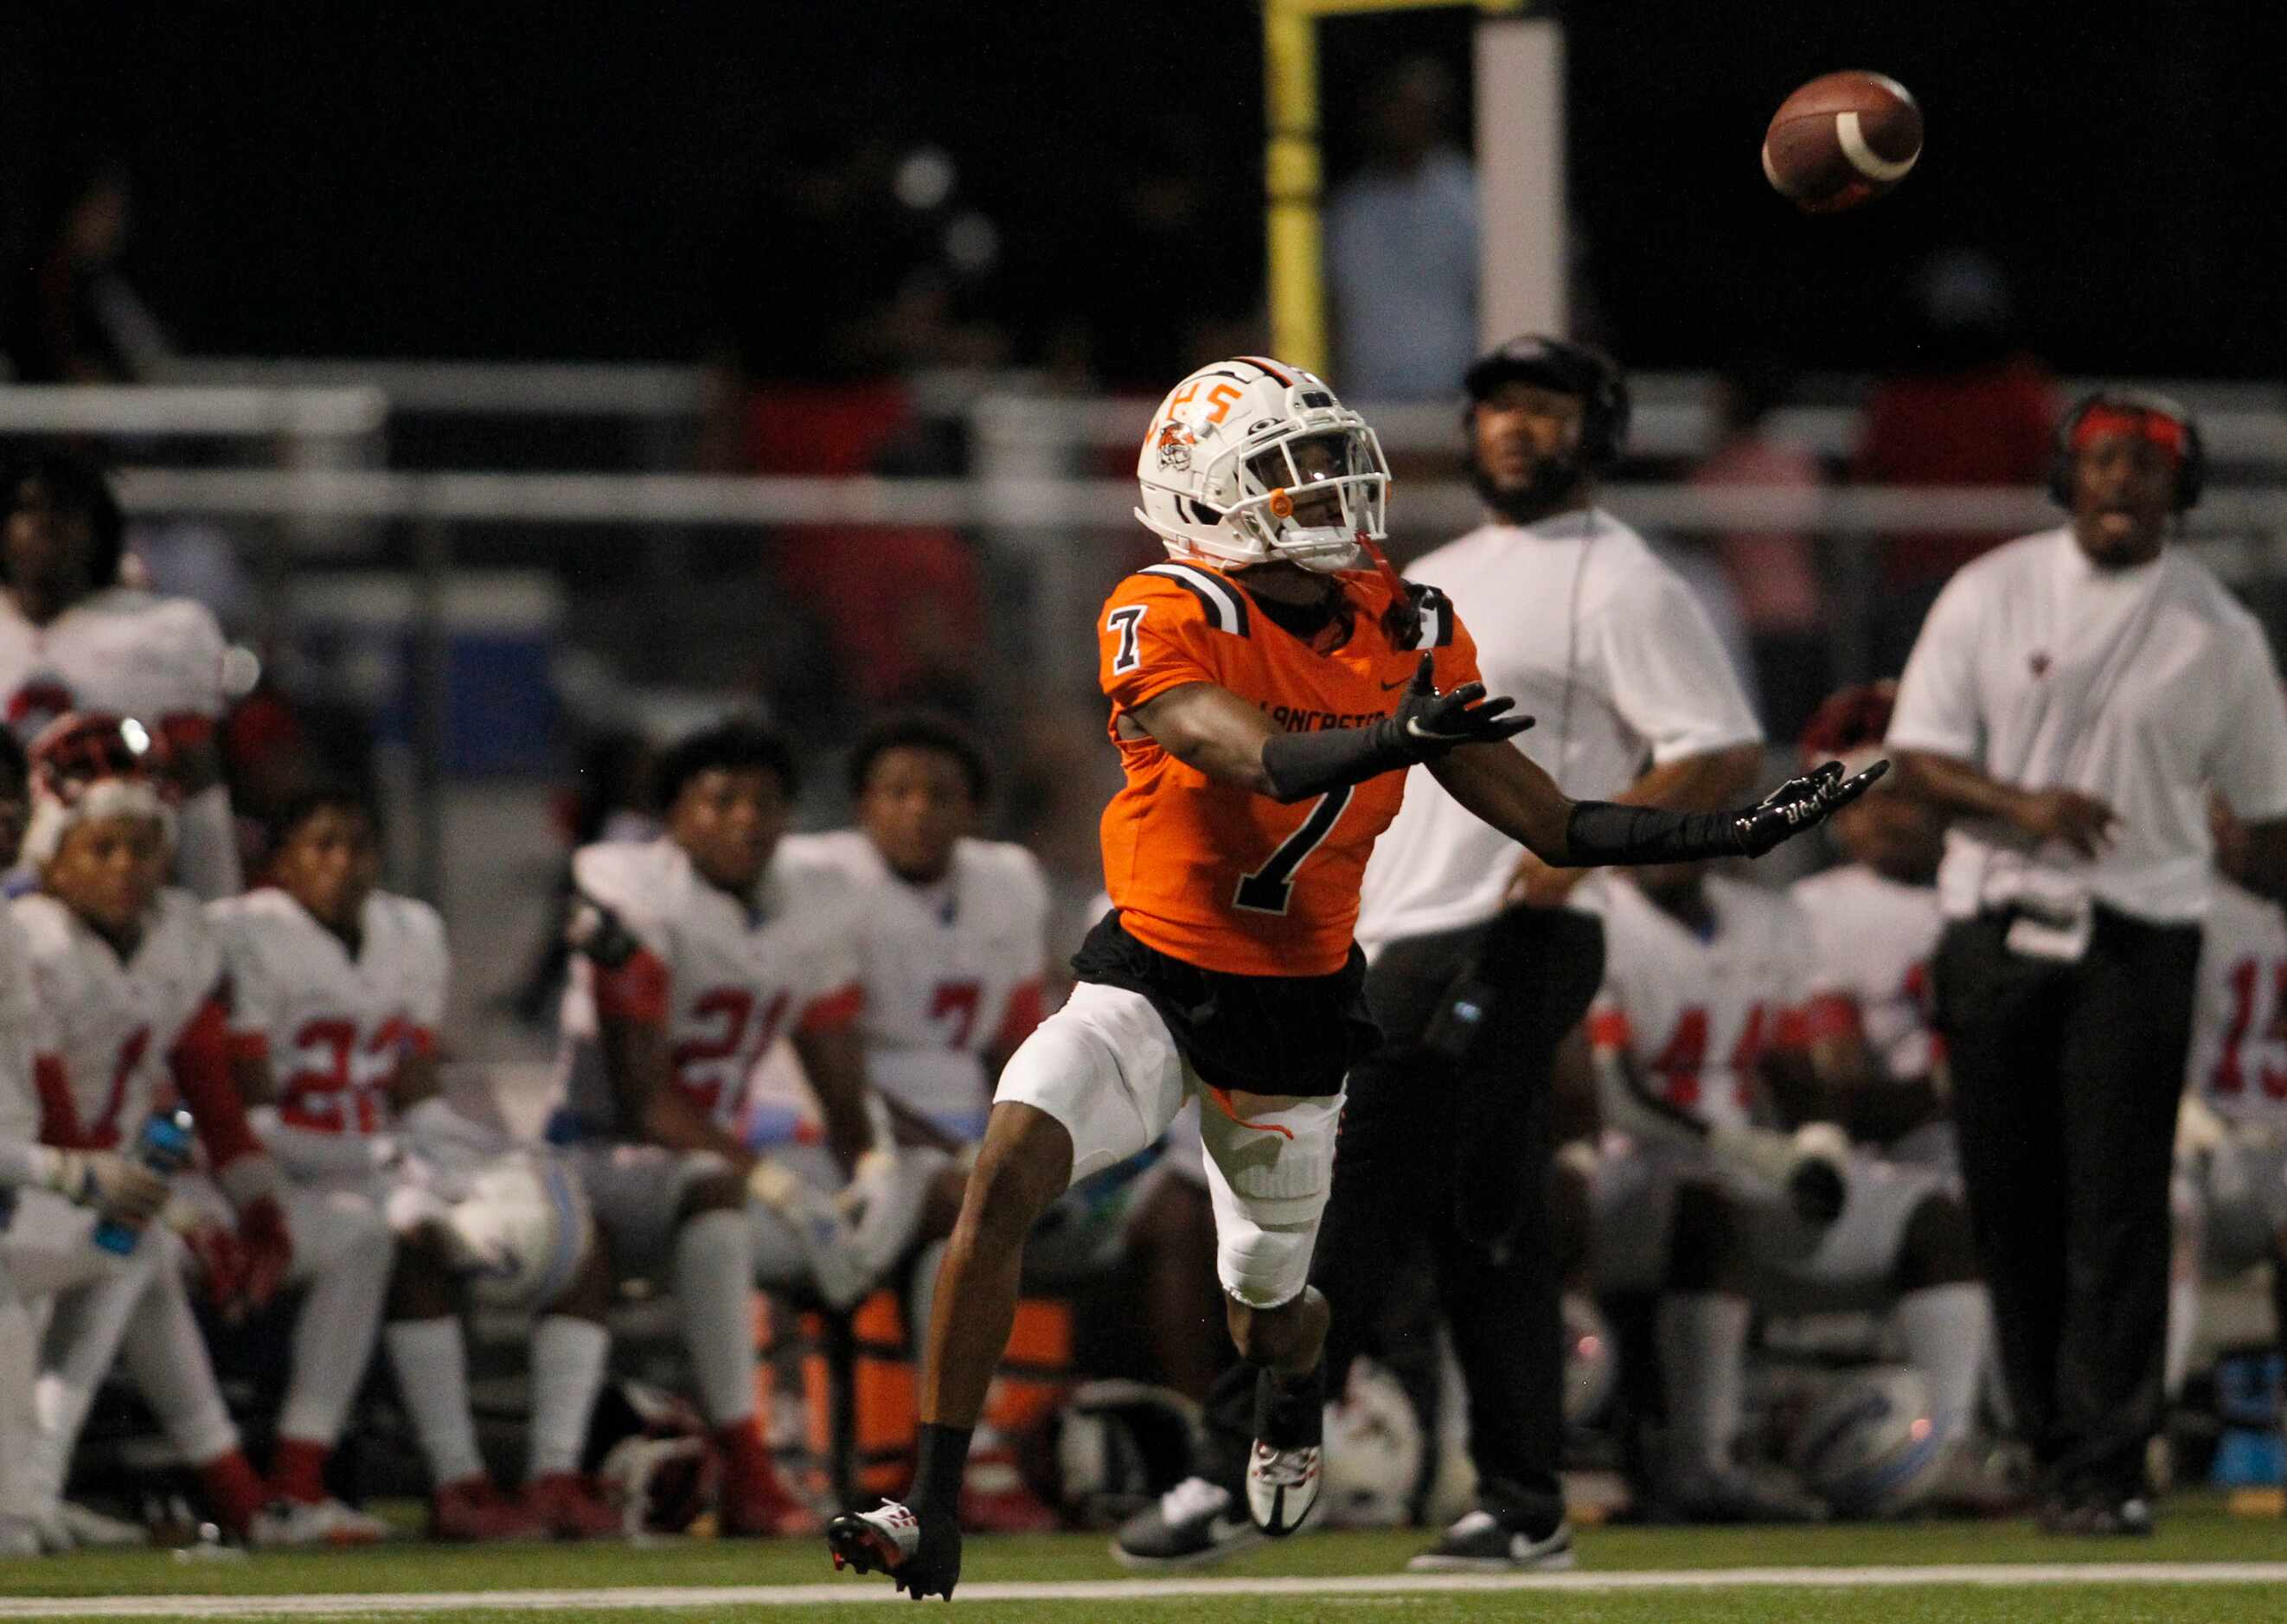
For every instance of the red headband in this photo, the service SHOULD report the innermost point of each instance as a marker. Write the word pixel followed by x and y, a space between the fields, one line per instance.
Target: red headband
pixel 2157 427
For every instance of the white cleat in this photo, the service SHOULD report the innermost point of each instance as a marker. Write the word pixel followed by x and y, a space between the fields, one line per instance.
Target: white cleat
pixel 284 1523
pixel 1282 1486
pixel 20 1536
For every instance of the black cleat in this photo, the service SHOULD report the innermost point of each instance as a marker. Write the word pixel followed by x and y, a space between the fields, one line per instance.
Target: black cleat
pixel 920 1552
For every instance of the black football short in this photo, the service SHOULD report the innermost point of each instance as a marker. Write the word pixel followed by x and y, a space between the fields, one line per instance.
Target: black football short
pixel 1265 1034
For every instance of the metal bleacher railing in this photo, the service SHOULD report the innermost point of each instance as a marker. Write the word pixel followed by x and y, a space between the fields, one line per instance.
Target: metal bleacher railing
pixel 309 486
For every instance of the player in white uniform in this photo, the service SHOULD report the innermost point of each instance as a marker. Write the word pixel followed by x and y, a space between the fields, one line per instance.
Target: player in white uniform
pixel 1874 924
pixel 955 954
pixel 72 638
pixel 338 993
pixel 697 949
pixel 129 988
pixel 2231 1141
pixel 1700 1013
pixel 955 948
pixel 117 1190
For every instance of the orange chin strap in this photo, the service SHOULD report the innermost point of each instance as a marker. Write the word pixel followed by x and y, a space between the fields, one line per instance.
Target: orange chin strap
pixel 1398 619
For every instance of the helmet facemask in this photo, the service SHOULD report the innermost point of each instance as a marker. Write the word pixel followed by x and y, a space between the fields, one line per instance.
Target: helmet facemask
pixel 1309 496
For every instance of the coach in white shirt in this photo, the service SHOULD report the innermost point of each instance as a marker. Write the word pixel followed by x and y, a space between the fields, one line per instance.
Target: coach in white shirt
pixel 2072 702
pixel 1478 973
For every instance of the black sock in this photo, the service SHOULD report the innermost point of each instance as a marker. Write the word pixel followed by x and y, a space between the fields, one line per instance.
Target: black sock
pixel 1290 1411
pixel 941 1461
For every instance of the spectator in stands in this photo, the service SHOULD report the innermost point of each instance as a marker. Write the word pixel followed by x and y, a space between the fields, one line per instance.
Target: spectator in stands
pixel 1402 245
pixel 1772 567
pixel 80 321
pixel 1971 407
pixel 845 279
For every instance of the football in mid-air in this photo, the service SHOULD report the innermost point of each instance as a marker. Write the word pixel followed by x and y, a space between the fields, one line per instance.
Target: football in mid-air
pixel 1841 140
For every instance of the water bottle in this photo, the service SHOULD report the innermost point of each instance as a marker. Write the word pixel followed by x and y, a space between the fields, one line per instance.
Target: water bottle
pixel 164 1147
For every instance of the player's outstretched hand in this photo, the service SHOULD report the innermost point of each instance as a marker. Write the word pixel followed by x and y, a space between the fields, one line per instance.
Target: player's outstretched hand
pixel 1427 723
pixel 1802 803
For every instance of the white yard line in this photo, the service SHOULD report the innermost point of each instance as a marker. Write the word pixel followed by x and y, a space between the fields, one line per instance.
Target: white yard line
pixel 846 1591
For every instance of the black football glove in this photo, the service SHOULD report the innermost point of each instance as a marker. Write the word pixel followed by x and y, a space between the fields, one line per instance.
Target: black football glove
pixel 1802 803
pixel 1427 724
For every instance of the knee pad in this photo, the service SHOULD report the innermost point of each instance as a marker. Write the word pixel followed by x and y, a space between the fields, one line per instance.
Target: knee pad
pixel 1265 1265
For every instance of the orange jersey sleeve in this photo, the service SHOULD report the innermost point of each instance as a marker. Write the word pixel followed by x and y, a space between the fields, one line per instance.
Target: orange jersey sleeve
pixel 1211 873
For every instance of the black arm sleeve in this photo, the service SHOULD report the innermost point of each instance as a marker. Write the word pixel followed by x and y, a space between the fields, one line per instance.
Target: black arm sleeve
pixel 1602 832
pixel 1301 765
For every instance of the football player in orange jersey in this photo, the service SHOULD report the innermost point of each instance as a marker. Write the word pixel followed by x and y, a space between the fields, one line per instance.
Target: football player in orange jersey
pixel 1269 684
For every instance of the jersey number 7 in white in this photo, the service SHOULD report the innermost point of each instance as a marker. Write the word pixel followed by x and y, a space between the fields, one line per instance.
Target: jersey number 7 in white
pixel 1269 888
pixel 1125 620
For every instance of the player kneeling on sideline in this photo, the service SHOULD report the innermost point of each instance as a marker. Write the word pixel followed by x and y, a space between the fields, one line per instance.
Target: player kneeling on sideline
pixel 1696 1198
pixel 2231 1135
pixel 696 950
pixel 1253 679
pixel 338 993
pixel 130 983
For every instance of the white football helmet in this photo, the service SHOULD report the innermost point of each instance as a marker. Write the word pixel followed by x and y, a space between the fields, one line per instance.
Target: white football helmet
pixel 1250 460
pixel 519 1229
pixel 1870 1446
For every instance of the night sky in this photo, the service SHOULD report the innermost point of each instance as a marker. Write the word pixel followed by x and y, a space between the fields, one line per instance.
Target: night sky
pixel 568 179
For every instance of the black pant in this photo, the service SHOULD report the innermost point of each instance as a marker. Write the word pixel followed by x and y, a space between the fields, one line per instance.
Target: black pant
pixel 1444 1166
pixel 2065 1083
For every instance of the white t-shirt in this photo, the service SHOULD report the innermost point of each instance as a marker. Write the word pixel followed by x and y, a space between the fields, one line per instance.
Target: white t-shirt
pixel 119 651
pixel 112 1026
pixel 334 1029
pixel 2239 1024
pixel 736 976
pixel 1576 620
pixel 1870 940
pixel 1696 1013
pixel 944 966
pixel 2142 687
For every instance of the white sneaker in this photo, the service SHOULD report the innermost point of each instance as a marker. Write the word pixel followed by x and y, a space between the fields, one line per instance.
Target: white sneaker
pixel 1282 1486
pixel 328 1522
pixel 20 1536
pixel 92 1530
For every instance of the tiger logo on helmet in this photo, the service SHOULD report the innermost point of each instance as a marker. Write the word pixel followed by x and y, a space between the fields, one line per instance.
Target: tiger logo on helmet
pixel 1251 461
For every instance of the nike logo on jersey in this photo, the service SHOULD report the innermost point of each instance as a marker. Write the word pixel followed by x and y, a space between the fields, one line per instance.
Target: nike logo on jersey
pixel 1391 688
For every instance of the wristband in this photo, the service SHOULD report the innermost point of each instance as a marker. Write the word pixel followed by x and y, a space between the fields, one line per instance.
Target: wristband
pixel 1301 765
pixel 1602 832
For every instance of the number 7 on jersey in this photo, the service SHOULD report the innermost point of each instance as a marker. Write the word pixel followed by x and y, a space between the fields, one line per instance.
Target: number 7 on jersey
pixel 1269 888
